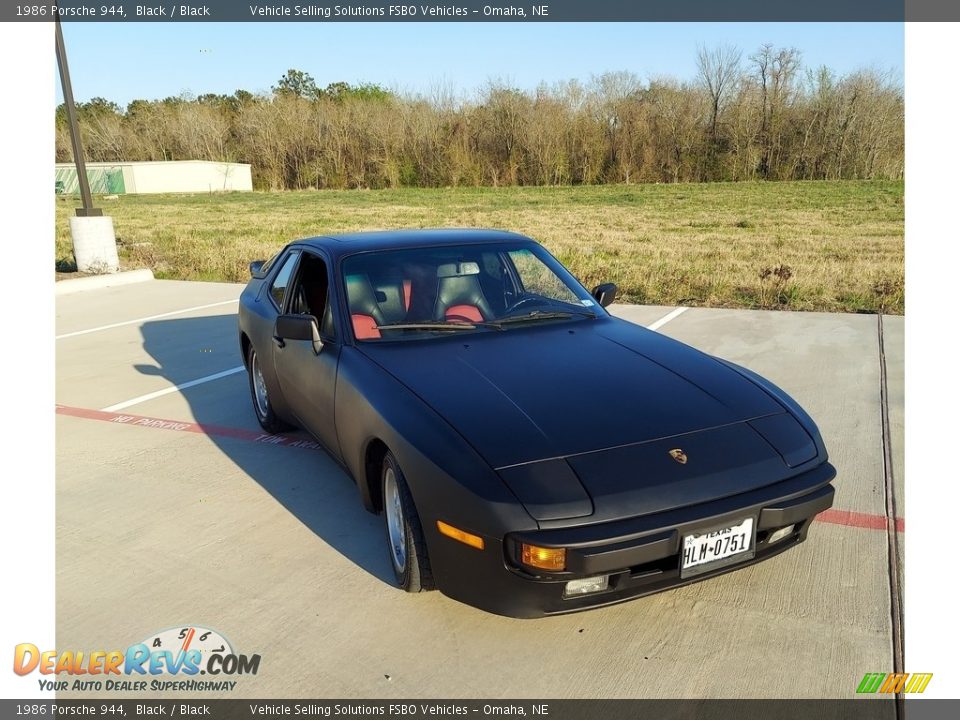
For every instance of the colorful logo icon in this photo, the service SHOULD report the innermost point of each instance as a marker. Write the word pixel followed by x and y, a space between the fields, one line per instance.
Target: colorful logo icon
pixel 894 682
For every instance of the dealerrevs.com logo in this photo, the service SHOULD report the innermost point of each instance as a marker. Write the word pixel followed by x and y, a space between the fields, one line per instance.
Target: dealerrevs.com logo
pixel 170 660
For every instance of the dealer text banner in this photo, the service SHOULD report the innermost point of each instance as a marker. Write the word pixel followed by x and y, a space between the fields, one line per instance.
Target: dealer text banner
pixel 474 11
pixel 466 709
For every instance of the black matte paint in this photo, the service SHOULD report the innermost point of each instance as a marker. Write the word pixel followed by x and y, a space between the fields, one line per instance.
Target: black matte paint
pixel 605 294
pixel 557 433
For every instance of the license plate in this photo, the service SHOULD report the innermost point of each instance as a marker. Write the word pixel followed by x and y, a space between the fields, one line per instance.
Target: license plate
pixel 716 548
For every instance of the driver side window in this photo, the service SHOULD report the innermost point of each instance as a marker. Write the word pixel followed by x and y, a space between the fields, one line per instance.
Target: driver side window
pixel 312 294
pixel 278 288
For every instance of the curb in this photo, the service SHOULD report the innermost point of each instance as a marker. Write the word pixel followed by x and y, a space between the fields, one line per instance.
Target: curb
pixel 95 282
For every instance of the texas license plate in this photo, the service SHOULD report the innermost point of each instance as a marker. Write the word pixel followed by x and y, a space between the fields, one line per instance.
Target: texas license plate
pixel 709 550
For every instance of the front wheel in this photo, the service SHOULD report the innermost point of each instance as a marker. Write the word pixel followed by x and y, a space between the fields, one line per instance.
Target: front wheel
pixel 408 551
pixel 261 400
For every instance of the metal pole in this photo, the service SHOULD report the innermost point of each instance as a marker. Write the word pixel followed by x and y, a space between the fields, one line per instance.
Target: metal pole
pixel 88 209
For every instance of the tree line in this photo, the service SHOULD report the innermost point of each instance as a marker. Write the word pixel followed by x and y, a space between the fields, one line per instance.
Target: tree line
pixel 759 116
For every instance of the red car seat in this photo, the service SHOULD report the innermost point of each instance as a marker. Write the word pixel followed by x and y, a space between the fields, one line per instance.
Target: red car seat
pixel 365 313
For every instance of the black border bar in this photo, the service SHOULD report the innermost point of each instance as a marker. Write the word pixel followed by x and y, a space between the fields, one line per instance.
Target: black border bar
pixel 480 11
pixel 875 707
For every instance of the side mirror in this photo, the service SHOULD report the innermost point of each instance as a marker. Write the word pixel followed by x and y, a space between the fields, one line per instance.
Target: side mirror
pixel 297 327
pixel 605 294
pixel 256 268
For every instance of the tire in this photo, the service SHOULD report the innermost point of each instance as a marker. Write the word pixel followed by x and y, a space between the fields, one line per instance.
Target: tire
pixel 405 544
pixel 258 395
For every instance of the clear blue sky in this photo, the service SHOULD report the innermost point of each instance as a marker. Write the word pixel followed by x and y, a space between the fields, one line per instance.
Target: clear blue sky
pixel 123 62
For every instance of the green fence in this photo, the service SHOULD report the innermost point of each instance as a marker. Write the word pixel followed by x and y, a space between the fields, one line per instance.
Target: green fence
pixel 103 181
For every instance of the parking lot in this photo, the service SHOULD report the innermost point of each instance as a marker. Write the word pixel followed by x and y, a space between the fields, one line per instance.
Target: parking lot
pixel 173 509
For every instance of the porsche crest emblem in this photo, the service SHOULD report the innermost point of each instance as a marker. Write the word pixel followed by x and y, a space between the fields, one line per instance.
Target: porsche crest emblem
pixel 679 455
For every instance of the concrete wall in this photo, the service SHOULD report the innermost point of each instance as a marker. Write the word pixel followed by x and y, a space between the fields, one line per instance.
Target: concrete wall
pixel 178 176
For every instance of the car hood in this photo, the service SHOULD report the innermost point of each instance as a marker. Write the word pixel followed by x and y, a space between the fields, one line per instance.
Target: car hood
pixel 579 419
pixel 549 391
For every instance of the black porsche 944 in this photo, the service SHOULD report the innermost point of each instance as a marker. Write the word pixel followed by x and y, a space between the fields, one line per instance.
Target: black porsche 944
pixel 530 453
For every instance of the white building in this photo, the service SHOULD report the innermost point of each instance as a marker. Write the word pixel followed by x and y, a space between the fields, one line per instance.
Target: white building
pixel 174 176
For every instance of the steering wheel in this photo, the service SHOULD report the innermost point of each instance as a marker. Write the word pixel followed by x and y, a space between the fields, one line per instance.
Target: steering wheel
pixel 520 303
pixel 460 319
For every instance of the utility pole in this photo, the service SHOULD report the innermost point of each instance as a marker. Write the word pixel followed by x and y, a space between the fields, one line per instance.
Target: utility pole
pixel 88 209
pixel 94 240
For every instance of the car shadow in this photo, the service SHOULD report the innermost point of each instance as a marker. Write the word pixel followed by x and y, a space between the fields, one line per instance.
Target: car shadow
pixel 303 479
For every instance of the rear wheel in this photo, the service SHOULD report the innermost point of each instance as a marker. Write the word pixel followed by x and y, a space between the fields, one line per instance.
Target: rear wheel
pixel 261 400
pixel 407 549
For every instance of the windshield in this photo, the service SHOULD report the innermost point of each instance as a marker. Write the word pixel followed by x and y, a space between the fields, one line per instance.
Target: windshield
pixel 426 292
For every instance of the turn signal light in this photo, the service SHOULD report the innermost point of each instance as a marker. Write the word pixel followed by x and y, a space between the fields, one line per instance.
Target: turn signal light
pixel 543 558
pixel 466 538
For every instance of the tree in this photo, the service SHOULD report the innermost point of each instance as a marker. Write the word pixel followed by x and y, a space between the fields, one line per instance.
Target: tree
pixel 776 70
pixel 98 106
pixel 298 83
pixel 719 69
pixel 340 91
pixel 763 119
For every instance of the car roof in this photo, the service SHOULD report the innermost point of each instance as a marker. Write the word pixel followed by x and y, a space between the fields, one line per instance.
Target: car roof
pixel 349 243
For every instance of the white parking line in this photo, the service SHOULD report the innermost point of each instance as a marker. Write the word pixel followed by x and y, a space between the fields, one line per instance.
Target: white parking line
pixel 667 318
pixel 146 319
pixel 175 388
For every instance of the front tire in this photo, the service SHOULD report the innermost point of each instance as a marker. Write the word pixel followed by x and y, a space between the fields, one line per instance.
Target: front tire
pixel 261 400
pixel 405 543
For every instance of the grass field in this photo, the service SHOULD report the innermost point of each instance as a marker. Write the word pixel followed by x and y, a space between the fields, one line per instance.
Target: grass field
pixel 834 246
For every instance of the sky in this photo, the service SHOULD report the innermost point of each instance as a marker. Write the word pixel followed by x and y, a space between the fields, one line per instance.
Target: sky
pixel 124 62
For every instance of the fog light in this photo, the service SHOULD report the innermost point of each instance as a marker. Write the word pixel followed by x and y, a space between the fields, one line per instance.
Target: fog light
pixel 587 585
pixel 778 535
pixel 543 558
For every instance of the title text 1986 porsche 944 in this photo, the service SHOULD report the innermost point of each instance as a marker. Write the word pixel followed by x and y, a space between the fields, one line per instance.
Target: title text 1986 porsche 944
pixel 530 453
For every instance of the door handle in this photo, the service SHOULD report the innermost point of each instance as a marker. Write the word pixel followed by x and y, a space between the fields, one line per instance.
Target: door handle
pixel 279 341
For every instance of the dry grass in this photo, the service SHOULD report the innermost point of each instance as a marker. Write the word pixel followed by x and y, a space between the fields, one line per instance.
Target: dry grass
pixel 834 246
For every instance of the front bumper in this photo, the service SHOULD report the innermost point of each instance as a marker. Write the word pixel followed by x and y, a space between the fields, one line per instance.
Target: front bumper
pixel 641 555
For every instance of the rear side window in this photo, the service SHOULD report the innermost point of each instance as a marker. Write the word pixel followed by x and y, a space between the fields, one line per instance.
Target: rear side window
pixel 278 288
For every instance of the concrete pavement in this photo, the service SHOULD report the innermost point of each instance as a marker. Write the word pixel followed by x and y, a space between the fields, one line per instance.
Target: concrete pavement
pixel 198 523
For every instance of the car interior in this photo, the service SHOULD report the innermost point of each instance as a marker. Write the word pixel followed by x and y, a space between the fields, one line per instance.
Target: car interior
pixel 426 287
pixel 311 291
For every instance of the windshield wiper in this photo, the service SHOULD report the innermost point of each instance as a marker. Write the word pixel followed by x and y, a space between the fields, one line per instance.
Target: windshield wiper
pixel 436 326
pixel 538 315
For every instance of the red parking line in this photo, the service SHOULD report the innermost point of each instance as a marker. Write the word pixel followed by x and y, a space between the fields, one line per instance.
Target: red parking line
pixel 855 519
pixel 190 427
pixel 847 518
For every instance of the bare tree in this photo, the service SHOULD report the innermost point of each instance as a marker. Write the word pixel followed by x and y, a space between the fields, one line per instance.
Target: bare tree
pixel 775 70
pixel 719 70
pixel 763 118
